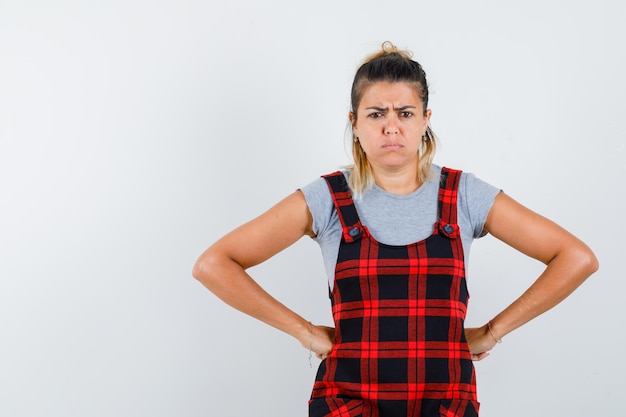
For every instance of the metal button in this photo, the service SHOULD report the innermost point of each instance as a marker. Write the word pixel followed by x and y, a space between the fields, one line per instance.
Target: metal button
pixel 354 232
pixel 448 228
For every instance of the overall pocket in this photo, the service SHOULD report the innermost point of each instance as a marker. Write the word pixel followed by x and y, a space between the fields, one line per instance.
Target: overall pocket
pixel 458 408
pixel 335 407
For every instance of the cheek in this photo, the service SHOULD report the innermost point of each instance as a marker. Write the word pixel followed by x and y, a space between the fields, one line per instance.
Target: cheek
pixel 366 144
pixel 361 130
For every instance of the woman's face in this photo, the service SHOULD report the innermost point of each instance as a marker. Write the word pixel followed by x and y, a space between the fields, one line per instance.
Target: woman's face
pixel 390 124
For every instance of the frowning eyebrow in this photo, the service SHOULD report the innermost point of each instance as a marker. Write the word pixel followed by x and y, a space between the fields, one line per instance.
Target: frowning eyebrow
pixel 403 108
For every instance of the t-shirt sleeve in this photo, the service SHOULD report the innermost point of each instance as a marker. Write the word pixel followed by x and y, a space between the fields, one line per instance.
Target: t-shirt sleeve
pixel 321 206
pixel 478 197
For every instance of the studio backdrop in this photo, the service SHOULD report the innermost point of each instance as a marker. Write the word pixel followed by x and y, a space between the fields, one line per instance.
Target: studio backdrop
pixel 133 134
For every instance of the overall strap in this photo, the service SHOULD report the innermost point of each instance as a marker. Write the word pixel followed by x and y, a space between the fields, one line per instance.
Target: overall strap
pixel 447 204
pixel 351 226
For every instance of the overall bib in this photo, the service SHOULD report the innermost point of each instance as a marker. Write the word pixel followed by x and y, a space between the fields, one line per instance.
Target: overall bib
pixel 399 311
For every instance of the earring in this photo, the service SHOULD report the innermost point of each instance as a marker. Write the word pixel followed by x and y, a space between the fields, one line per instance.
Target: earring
pixel 355 139
pixel 428 135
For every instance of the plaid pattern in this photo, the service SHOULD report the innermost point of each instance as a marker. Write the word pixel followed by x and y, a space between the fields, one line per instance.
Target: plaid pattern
pixel 400 347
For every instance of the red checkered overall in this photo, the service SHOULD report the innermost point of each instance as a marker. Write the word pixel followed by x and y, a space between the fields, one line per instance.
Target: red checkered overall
pixel 399 311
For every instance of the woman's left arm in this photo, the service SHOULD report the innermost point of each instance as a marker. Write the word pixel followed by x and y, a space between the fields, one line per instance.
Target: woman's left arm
pixel 568 263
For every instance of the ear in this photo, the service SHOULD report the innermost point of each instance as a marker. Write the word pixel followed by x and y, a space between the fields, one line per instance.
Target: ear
pixel 352 119
pixel 427 115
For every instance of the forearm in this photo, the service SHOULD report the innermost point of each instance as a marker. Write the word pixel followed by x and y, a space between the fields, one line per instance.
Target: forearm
pixel 229 281
pixel 563 274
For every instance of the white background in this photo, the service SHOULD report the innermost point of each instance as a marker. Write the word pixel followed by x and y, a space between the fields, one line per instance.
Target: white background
pixel 133 134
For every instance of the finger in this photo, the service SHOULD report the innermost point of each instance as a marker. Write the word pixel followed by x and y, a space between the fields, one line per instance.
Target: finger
pixel 479 356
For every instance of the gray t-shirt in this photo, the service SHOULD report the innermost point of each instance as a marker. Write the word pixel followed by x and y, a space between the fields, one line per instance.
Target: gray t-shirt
pixel 398 219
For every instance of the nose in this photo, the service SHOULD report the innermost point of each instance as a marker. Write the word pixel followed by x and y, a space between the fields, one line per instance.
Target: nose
pixel 391 128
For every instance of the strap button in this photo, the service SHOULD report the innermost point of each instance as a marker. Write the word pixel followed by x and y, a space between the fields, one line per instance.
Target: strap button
pixel 354 232
pixel 448 229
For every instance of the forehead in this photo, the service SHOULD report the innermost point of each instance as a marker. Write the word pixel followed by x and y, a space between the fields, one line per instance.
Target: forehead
pixel 398 93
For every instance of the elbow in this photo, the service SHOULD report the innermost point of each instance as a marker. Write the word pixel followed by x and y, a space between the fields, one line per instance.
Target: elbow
pixel 587 261
pixel 205 267
pixel 592 263
pixel 214 269
pixel 198 270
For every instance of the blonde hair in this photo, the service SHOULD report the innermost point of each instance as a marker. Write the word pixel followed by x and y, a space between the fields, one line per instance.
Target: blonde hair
pixel 389 65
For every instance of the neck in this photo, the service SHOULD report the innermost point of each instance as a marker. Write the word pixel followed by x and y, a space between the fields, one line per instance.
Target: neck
pixel 397 182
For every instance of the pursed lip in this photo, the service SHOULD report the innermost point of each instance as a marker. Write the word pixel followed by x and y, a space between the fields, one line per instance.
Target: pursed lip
pixel 392 146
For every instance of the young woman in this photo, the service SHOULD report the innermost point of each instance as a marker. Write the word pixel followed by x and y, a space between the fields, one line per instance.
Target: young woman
pixel 394 230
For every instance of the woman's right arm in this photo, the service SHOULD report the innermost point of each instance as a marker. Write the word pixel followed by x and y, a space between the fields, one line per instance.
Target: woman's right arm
pixel 222 269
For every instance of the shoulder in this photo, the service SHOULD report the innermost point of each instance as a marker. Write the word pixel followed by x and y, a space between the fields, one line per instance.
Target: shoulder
pixel 472 186
pixel 468 182
pixel 318 188
pixel 475 198
pixel 320 202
